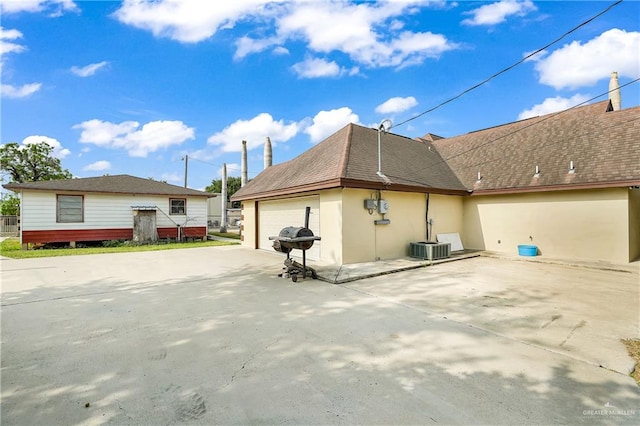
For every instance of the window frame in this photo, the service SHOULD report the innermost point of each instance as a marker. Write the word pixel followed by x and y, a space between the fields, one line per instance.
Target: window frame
pixel 184 206
pixel 61 217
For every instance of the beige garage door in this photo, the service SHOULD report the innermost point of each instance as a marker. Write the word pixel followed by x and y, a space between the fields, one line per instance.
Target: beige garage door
pixel 275 215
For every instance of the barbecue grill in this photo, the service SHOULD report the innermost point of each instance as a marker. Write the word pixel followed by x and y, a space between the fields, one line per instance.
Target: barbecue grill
pixel 291 238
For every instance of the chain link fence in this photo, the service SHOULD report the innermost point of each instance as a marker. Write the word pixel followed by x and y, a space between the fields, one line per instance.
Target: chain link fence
pixel 9 226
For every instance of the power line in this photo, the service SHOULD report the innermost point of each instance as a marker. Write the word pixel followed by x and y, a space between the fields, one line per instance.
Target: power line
pixel 543 119
pixel 219 165
pixel 536 148
pixel 509 67
pixel 550 116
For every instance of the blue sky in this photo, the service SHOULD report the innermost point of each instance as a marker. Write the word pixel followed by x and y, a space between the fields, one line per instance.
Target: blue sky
pixel 132 87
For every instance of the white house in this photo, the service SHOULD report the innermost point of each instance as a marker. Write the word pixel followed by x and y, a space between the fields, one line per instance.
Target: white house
pixel 120 207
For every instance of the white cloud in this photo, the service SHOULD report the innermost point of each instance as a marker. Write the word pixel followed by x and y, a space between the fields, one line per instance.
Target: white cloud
pixel 187 21
pixel 9 91
pixel 233 169
pixel 247 46
pixel 280 50
pixel 8 46
pixel 356 31
pixel 58 150
pixel 317 67
pixel 368 32
pixel 551 105
pixel 172 177
pixel 254 131
pixel 88 70
pixel 576 64
pixel 98 166
pixel 326 123
pixel 496 13
pixel 137 141
pixel 16 6
pixel 396 105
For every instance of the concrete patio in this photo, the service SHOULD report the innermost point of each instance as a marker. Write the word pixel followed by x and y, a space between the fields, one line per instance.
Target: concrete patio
pixel 213 336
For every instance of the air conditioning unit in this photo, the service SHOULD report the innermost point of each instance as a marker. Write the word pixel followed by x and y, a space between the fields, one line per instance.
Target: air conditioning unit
pixel 430 251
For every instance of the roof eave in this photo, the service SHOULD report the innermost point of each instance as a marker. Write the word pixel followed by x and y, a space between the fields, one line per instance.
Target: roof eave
pixel 18 187
pixel 327 184
pixel 353 183
pixel 349 183
pixel 549 188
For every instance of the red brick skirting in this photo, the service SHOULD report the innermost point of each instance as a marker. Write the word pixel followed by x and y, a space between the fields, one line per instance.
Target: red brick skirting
pixel 65 235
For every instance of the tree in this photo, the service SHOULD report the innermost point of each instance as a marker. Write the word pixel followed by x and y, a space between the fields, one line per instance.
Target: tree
pixel 10 205
pixel 31 163
pixel 233 184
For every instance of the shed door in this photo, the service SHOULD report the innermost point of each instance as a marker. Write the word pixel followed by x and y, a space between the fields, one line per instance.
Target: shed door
pixel 278 214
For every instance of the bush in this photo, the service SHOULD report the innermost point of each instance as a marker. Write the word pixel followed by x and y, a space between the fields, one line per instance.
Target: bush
pixel 113 243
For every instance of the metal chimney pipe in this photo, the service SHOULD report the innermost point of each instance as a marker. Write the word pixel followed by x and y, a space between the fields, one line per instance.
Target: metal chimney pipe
pixel 243 166
pixel 223 219
pixel 268 155
pixel 614 92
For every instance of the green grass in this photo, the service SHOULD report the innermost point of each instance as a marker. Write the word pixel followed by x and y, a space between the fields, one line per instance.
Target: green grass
pixel 11 248
pixel 633 346
pixel 226 235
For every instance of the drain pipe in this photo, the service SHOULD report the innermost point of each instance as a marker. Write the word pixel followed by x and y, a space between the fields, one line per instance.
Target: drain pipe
pixel 426 218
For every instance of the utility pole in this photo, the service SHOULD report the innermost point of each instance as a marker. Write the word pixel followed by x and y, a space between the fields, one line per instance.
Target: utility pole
pixel 186 168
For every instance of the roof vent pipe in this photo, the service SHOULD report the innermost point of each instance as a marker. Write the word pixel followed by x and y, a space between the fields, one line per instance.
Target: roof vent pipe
pixel 614 92
pixel 384 126
pixel 572 168
pixel 268 155
pixel 479 176
pixel 537 172
pixel 243 165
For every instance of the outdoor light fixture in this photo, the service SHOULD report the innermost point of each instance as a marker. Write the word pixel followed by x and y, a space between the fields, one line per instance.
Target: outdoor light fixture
pixel 384 126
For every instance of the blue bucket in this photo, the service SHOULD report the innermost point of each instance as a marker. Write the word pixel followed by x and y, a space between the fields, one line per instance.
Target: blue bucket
pixel 527 250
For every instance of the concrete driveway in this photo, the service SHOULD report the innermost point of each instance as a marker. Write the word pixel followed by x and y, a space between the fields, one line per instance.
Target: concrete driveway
pixel 213 336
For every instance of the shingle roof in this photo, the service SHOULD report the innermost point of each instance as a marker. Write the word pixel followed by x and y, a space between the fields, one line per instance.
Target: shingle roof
pixel 604 146
pixel 117 184
pixel 349 158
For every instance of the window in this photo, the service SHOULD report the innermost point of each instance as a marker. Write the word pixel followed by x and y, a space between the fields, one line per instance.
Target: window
pixel 70 208
pixel 178 206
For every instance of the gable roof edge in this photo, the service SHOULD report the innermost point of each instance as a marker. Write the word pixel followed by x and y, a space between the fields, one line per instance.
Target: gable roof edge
pixel 344 158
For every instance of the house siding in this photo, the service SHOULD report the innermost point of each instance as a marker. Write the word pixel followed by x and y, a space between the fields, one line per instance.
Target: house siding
pixel 586 224
pixel 106 216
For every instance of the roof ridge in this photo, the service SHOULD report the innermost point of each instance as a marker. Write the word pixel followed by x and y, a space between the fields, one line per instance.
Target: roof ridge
pixel 346 151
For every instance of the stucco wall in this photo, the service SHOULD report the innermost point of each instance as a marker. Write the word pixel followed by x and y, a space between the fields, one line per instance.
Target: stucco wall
pixel 249 230
pixel 587 224
pixel 634 224
pixel 331 226
pixel 358 230
pixel 105 211
pixel 446 212
pixel 363 241
pixel 348 231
